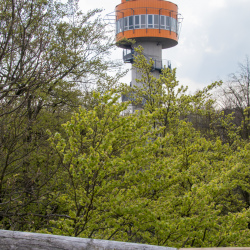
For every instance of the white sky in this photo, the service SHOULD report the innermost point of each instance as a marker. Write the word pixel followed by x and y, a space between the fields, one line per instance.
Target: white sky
pixel 214 38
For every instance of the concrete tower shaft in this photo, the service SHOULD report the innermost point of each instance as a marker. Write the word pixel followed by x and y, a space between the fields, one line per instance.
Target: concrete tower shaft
pixel 151 50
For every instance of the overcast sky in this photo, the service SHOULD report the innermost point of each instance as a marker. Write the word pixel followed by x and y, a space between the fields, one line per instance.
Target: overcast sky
pixel 214 38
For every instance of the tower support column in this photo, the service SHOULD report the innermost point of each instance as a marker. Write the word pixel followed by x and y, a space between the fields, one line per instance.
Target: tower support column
pixel 151 50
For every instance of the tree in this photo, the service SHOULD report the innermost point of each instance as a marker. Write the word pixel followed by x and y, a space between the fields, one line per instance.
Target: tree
pixel 101 156
pixel 166 185
pixel 235 97
pixel 150 177
pixel 190 199
pixel 44 57
pixel 164 96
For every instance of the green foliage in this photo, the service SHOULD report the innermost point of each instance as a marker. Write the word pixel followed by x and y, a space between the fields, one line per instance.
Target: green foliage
pixel 45 56
pixel 100 160
pixel 127 183
pixel 155 177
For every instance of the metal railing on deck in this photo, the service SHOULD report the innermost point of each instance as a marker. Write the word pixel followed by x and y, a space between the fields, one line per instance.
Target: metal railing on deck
pixel 128 57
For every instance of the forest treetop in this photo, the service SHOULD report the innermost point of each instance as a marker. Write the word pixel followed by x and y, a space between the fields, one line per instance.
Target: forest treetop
pixel 174 174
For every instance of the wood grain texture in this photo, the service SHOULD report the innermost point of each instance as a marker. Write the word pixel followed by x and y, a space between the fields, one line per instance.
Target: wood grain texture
pixel 13 240
pixel 218 248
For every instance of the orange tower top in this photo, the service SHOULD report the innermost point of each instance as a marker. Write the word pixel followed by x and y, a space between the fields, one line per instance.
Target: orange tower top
pixel 147 20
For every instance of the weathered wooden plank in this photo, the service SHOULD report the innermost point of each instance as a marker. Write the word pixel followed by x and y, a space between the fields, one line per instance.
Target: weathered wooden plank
pixel 218 248
pixel 13 240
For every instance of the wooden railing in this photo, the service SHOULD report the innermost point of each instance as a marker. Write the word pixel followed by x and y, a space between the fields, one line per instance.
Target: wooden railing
pixel 36 241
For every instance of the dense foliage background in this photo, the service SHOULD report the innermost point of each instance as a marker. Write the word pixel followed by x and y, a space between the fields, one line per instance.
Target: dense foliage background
pixel 173 174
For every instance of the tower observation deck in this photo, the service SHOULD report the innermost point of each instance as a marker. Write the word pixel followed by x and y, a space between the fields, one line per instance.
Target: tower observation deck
pixel 153 24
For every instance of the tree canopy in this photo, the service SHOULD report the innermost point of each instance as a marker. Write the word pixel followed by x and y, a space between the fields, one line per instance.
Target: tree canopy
pixel 175 173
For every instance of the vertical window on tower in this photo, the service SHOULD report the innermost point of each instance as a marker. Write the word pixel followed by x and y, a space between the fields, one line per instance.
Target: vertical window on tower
pixel 156 21
pixel 117 26
pixel 131 25
pixel 143 21
pixel 137 22
pixel 167 23
pixel 125 23
pixel 173 28
pixel 150 21
pixel 163 22
pixel 170 23
pixel 121 25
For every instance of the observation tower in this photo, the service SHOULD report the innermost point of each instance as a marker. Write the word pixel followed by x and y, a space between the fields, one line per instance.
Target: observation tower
pixel 153 24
